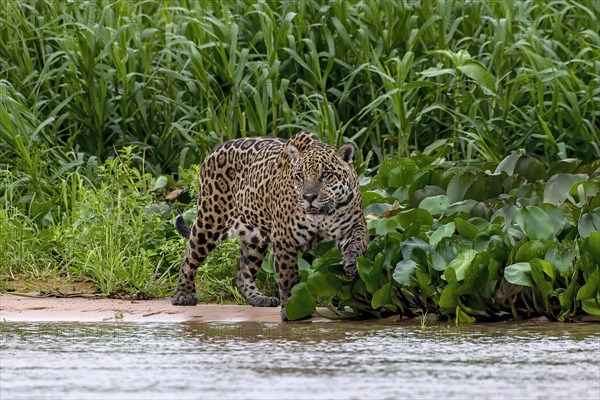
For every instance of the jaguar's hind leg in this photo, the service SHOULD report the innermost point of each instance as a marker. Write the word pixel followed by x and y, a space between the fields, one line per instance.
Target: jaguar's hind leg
pixel 253 247
pixel 203 237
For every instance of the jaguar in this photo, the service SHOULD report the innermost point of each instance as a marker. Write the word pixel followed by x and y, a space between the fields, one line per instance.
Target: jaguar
pixel 292 194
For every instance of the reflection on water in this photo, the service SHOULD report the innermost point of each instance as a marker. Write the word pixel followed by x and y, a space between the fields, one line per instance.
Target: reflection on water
pixel 298 360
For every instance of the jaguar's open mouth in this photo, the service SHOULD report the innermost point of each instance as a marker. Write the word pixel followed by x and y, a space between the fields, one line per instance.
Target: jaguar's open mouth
pixel 315 211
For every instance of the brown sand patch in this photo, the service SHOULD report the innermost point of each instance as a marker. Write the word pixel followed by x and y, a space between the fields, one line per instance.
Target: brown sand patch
pixel 81 309
pixel 84 309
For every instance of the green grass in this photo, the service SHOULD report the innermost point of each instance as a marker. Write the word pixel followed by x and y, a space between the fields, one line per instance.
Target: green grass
pixel 477 79
pixel 24 248
pixel 116 232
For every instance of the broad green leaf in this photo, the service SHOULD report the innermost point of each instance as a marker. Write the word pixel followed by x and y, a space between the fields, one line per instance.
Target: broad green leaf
pixel 592 189
pixel 383 296
pixel 448 297
pixel 497 248
pixel 460 264
pixel 464 206
pixel 441 232
pixel 538 270
pixel 302 303
pixel 404 272
pixel 485 187
pixel 466 229
pixel 591 307
pixel 476 274
pixel 535 223
pixel 488 289
pixel 371 196
pixel 513 182
pixel 377 209
pixel 329 257
pixel 558 187
pixel 424 280
pixel 428 191
pixel 415 249
pixel 161 183
pixel 590 289
pixel 267 265
pixel 370 272
pixel 458 186
pixel 519 274
pixel 557 217
pixel 345 293
pixel 391 250
pixel 435 205
pixel 507 215
pixel 562 256
pixel 567 297
pixel 416 215
pixel 533 249
pixel 384 226
pixel 481 210
pixel 566 166
pixel 509 162
pixel 591 244
pixel 433 72
pixel 400 194
pixel 324 284
pixel 545 266
pixel 438 260
pixel 588 223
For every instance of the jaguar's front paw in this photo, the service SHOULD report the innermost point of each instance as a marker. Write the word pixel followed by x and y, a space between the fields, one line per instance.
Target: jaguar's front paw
pixel 184 299
pixel 264 301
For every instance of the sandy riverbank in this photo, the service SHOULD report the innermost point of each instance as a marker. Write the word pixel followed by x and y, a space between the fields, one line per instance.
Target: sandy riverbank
pixel 31 308
pixel 83 309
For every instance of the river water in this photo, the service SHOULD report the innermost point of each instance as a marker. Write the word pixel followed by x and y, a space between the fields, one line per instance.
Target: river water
pixel 298 360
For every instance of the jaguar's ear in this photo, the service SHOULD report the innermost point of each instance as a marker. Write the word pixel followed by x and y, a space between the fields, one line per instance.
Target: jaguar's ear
pixel 346 152
pixel 293 153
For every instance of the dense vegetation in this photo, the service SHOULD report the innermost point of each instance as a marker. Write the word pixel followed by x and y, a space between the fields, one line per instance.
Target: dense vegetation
pixel 106 108
pixel 486 241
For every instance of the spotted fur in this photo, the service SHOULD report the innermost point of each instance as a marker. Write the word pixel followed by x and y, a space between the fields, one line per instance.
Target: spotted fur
pixel 293 194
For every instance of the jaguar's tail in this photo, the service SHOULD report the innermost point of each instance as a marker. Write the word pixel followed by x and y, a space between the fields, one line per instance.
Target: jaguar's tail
pixel 182 228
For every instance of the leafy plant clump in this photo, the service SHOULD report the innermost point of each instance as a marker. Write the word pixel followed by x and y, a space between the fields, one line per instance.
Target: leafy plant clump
pixel 482 242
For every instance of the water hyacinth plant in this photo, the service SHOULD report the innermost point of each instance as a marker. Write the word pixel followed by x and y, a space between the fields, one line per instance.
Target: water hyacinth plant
pixel 480 242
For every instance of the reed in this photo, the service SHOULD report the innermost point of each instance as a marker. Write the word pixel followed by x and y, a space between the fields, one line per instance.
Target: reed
pixel 175 78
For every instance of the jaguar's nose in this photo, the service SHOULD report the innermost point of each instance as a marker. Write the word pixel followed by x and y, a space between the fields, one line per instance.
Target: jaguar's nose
pixel 310 197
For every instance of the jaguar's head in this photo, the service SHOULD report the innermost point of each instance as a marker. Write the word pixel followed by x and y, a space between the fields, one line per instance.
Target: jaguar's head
pixel 324 177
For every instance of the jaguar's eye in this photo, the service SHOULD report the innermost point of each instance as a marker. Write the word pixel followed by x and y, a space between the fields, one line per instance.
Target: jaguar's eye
pixel 299 176
pixel 325 175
